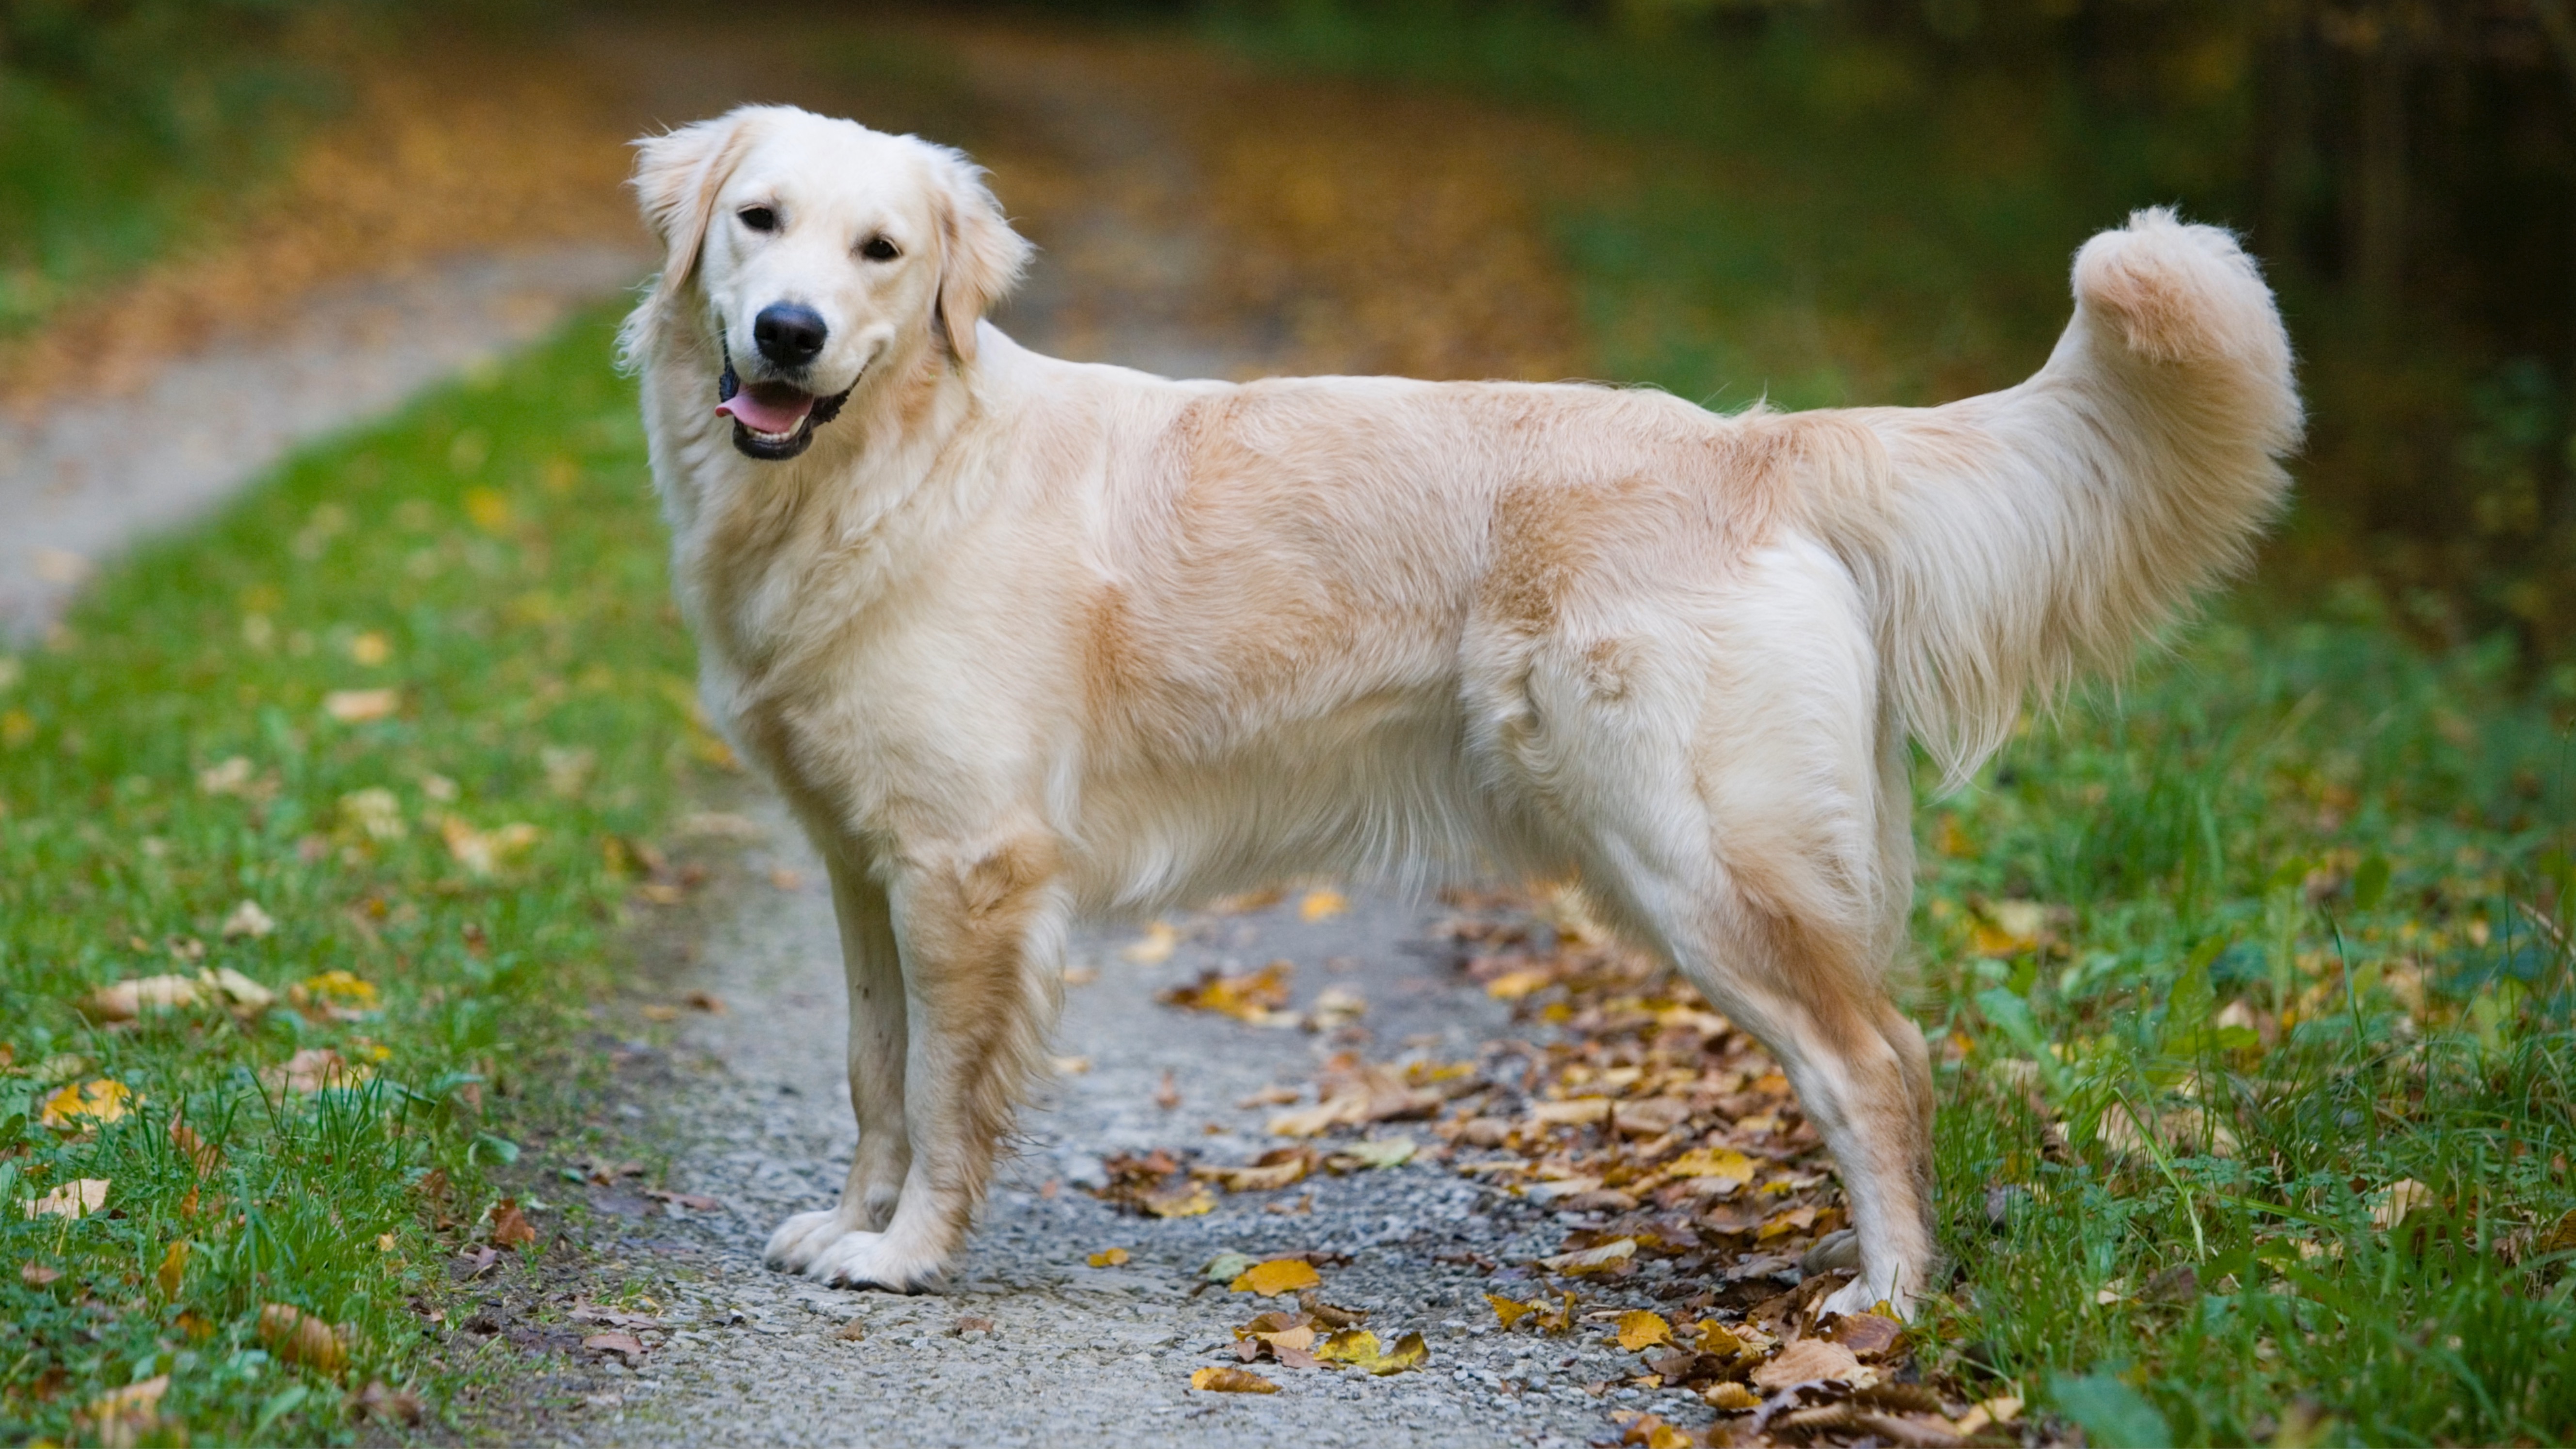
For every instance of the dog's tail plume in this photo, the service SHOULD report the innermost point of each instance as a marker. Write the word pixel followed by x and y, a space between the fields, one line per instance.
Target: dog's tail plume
pixel 2006 542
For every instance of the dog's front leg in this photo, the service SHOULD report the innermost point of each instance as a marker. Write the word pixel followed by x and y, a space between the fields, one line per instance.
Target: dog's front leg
pixel 982 939
pixel 878 1035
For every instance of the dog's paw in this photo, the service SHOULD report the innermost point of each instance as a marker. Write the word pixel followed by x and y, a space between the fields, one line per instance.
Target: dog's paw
pixel 1863 1295
pixel 803 1238
pixel 879 1261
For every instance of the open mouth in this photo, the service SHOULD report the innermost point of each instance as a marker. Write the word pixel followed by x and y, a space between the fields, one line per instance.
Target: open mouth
pixel 773 421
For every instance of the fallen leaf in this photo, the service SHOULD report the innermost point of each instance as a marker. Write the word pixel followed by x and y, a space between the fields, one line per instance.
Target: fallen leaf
pixel 1255 998
pixel 249 920
pixel 1108 1258
pixel 173 1270
pixel 1513 985
pixel 1867 1335
pixel 1073 1066
pixel 1188 1200
pixel 1639 1329
pixel 1732 1398
pixel 486 852
pixel 357 706
pixel 1373 1152
pixel 400 1406
pixel 2389 1206
pixel 37 1275
pixel 706 1001
pixel 129 999
pixel 1226 1267
pixel 84 1103
pixel 1225 1379
pixel 1167 1095
pixel 121 1415
pixel 1359 1348
pixel 1279 1275
pixel 1510 1311
pixel 245 996
pixel 1809 1360
pixel 1355 1093
pixel 1280 1167
pixel 1609 1257
pixel 510 1227
pixel 970 1323
pixel 626 1345
pixel 1154 947
pixel 315 1069
pixel 1335 1007
pixel 301 1338
pixel 1322 905
pixel 854 1331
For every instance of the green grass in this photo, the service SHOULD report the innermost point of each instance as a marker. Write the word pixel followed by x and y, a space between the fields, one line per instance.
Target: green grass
pixel 493 558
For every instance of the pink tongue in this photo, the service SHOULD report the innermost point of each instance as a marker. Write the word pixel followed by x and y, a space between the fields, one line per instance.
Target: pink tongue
pixel 767 408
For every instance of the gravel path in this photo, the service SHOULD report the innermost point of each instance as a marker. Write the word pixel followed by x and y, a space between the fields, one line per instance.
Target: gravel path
pixel 1075 1355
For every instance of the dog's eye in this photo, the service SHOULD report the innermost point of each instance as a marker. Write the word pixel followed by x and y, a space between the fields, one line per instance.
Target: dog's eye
pixel 878 249
pixel 758 218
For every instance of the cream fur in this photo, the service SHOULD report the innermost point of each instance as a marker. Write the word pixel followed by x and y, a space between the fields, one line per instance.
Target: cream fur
pixel 1024 639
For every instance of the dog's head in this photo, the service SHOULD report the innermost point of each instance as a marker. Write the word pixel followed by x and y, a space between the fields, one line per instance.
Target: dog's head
pixel 818 255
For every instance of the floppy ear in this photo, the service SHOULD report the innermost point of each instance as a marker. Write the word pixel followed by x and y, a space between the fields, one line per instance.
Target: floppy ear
pixel 980 256
pixel 677 175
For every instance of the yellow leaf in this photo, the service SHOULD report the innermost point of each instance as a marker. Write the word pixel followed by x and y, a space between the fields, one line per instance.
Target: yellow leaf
pixel 1665 1436
pixel 173 1270
pixel 2391 1204
pixel 1185 1201
pixel 301 1338
pixel 101 1101
pixel 371 649
pixel 1513 985
pixel 1230 1380
pixel 343 987
pixel 1721 1162
pixel 1641 1329
pixel 488 508
pixel 1322 906
pixel 73 1199
pixel 1508 1311
pixel 1733 1398
pixel 1107 1258
pixel 1279 1275
pixel 1351 1345
pixel 1408 1353
pixel 1155 946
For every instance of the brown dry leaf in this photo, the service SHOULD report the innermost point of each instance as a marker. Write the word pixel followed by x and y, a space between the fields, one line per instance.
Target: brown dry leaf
pixel 377 1402
pixel 77 1198
pixel 300 1338
pixel 126 1000
pixel 202 1155
pixel 1355 1093
pixel 1639 1329
pixel 1256 998
pixel 315 1069
pixel 1280 1167
pixel 1229 1380
pixel 626 1345
pixel 1167 1094
pixel 1609 1257
pixel 1807 1361
pixel 510 1227
pixel 1108 1258
pixel 854 1331
pixel 1868 1335
pixel 37 1275
pixel 1279 1275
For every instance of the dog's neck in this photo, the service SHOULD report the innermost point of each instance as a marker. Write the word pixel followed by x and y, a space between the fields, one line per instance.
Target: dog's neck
pixel 750 536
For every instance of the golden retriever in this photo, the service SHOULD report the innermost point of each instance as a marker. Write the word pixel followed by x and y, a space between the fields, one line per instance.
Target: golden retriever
pixel 1023 639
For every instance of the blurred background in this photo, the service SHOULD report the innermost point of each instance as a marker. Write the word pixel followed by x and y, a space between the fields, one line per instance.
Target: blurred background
pixel 1817 201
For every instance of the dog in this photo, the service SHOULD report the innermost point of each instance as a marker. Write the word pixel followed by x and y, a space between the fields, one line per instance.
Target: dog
pixel 1022 640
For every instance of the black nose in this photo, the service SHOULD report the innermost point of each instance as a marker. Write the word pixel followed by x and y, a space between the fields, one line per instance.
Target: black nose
pixel 788 334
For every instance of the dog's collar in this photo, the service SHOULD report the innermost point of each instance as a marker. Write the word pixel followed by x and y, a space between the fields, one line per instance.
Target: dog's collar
pixel 729 383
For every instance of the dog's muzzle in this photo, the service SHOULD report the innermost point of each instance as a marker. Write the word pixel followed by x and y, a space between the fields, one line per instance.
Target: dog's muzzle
pixel 773 421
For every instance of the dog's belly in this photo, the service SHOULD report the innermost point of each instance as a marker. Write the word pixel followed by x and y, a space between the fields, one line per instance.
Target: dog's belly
pixel 1383 792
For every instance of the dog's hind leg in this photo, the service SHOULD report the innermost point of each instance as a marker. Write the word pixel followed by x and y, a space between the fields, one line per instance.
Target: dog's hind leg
pixel 982 933
pixel 878 1036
